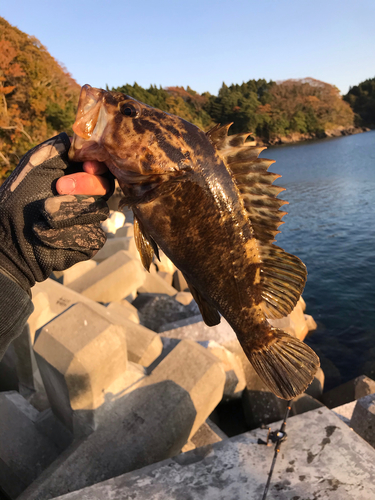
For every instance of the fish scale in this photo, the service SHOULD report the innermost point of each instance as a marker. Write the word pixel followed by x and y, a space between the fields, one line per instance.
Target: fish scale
pixel 208 202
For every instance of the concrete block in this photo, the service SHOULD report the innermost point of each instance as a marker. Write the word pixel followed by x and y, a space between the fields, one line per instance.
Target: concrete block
pixel 363 419
pixel 179 281
pixel 194 328
pixel 24 451
pixel 51 427
pixel 126 231
pixel 112 280
pixel 115 245
pixel 188 447
pixel 303 403
pixel 165 264
pixel 156 309
pixel 310 322
pixel 154 283
pixel 294 323
pixel 196 370
pixel 206 435
pixel 151 423
pixel 125 309
pixel 261 406
pixel 8 371
pixel 69 275
pixel 143 345
pixel 315 389
pixel 184 298
pixel 345 412
pixel 322 458
pixel 114 222
pixel 350 391
pixel 235 381
pixel 168 278
pixel 79 355
pixel 26 366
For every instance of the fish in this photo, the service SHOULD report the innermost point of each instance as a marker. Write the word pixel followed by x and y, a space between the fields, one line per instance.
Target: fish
pixel 208 201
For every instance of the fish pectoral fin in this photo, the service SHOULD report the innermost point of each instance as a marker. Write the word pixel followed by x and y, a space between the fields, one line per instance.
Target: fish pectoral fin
pixel 286 365
pixel 283 278
pixel 209 313
pixel 146 246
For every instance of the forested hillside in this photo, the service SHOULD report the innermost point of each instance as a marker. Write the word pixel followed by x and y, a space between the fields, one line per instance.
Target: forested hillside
pixel 362 99
pixel 267 109
pixel 37 96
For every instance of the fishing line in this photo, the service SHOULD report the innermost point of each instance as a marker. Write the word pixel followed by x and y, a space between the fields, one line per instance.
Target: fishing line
pixel 276 437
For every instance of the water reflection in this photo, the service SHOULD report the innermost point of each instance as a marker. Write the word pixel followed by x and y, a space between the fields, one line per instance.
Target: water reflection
pixel 331 227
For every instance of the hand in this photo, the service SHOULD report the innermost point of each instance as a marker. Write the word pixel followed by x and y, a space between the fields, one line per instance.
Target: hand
pixel 41 232
pixel 90 181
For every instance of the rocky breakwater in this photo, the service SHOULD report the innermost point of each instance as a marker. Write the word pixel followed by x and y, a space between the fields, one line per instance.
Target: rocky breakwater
pixel 116 371
pixel 298 136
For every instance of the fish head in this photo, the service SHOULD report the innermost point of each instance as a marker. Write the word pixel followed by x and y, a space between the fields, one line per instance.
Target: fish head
pixel 132 138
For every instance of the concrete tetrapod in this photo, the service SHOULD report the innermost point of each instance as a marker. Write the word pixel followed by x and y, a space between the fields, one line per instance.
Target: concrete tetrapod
pixel 24 451
pixel 151 423
pixel 80 354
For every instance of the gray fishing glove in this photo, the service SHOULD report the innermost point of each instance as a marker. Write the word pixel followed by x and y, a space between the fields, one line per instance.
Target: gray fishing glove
pixel 41 232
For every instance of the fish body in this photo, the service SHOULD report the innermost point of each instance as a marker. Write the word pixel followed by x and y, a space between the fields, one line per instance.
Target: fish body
pixel 208 202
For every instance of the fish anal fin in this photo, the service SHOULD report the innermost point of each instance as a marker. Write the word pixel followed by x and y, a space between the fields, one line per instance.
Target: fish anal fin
pixel 283 278
pixel 209 313
pixel 146 246
pixel 286 365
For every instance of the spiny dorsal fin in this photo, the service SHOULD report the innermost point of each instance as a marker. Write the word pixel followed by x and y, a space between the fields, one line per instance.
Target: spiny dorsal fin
pixel 283 275
pixel 146 246
pixel 209 313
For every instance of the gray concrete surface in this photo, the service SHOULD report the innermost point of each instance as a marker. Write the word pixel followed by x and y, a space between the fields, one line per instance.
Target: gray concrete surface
pixel 24 451
pixel 363 419
pixel 321 459
pixel 113 279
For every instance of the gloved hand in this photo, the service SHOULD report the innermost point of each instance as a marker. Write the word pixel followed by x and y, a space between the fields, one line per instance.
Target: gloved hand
pixel 41 232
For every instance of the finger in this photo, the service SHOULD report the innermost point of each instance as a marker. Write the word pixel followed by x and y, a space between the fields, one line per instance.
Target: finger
pixel 94 167
pixel 83 183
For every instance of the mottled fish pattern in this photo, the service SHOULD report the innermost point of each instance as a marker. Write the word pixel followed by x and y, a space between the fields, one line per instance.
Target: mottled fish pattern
pixel 207 200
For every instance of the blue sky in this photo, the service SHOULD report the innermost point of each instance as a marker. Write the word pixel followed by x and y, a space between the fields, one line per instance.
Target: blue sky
pixel 203 43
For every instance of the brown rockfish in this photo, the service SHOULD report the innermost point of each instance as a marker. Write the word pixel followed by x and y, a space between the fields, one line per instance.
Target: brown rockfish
pixel 208 202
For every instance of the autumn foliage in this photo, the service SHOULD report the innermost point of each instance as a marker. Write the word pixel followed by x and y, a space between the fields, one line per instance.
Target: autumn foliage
pixel 38 97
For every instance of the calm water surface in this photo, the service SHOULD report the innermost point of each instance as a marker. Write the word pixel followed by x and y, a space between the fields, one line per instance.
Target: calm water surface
pixel 330 186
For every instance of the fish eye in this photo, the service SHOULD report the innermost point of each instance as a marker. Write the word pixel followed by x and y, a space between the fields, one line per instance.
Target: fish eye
pixel 128 109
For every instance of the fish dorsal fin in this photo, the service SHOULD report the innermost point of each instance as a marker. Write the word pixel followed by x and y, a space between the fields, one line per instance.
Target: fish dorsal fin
pixel 209 313
pixel 283 275
pixel 146 246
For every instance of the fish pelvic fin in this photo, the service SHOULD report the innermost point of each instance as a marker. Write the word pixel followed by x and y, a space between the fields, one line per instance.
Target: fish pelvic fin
pixel 209 313
pixel 286 365
pixel 146 246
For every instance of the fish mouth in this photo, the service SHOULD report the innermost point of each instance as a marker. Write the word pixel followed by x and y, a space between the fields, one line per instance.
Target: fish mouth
pixel 91 120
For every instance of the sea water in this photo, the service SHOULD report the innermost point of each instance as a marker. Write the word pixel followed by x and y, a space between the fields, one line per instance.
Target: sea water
pixel 330 226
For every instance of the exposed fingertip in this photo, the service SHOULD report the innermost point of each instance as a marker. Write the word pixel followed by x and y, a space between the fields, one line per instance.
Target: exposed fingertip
pixel 65 185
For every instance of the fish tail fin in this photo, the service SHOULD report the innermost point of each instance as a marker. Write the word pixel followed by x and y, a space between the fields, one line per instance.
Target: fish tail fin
pixel 286 365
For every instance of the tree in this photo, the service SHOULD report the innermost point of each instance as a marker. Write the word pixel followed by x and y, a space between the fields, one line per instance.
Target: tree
pixel 361 99
pixel 38 97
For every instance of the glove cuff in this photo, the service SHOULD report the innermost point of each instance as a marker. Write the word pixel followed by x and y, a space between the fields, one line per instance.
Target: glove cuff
pixel 9 269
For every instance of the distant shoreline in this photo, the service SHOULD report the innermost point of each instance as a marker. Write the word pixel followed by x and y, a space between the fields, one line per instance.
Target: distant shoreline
pixel 298 137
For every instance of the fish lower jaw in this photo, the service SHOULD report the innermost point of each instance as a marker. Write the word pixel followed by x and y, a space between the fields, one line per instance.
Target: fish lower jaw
pixel 85 150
